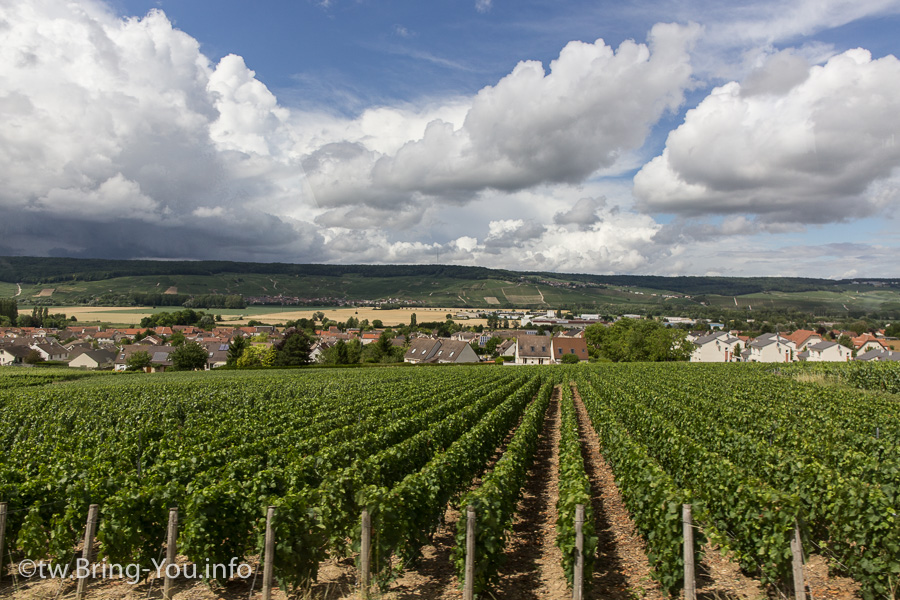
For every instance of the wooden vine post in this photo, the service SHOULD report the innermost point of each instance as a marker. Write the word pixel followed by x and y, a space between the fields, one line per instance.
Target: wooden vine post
pixel 90 531
pixel 171 551
pixel 797 552
pixel 469 584
pixel 578 579
pixel 269 556
pixel 690 585
pixel 365 548
pixel 3 510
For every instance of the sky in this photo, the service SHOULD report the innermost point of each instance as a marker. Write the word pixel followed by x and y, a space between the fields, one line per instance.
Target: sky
pixel 660 137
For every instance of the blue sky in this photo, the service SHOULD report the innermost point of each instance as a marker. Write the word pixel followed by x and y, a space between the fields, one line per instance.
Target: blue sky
pixel 659 138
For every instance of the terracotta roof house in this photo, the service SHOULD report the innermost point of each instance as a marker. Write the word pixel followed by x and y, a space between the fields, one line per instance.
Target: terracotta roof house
pixel 867 341
pixel 562 345
pixel 804 338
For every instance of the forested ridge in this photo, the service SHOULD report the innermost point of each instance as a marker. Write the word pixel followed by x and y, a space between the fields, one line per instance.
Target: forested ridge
pixel 25 269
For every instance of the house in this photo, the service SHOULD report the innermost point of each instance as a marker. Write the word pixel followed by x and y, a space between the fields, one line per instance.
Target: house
pixel 218 353
pixel 76 348
pixel 317 352
pixel 50 349
pixel 93 359
pixel 507 348
pixel 716 347
pixel 440 350
pixel 369 337
pixel 13 354
pixel 771 347
pixel 866 342
pixel 878 356
pixel 107 337
pixel 534 350
pixel 159 356
pixel 159 359
pixel 420 350
pixel 803 338
pixel 562 345
pixel 828 352
pixel 465 336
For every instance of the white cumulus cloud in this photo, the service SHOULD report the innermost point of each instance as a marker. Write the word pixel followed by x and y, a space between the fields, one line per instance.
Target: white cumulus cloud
pixel 814 148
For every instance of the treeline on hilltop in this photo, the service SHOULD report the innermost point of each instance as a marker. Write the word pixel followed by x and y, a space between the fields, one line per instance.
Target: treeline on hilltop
pixel 723 286
pixel 188 316
pixel 189 301
pixel 27 269
pixel 44 270
pixel 152 299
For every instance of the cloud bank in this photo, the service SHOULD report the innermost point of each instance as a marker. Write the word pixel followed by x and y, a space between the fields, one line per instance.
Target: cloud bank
pixel 121 138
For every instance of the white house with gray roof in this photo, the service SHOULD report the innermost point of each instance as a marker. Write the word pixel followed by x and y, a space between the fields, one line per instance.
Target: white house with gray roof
pixel 440 350
pixel 878 356
pixel 828 352
pixel 716 347
pixel 772 348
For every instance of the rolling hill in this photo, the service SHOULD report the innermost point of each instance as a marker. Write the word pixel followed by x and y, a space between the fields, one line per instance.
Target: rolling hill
pixel 67 281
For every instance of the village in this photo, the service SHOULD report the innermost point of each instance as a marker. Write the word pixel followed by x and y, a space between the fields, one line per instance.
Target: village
pixel 513 338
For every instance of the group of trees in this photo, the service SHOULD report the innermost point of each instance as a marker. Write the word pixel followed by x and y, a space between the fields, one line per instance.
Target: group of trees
pixel 495 322
pixel 353 352
pixel 39 317
pixel 633 340
pixel 292 350
pixel 9 311
pixel 188 356
pixel 188 316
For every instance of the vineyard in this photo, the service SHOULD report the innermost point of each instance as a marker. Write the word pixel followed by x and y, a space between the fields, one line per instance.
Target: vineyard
pixel 756 452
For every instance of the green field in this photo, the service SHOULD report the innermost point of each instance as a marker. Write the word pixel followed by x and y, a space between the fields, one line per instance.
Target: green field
pixel 7 290
pixel 858 298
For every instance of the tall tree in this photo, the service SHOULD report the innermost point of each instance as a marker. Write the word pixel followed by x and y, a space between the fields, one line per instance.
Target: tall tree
pixel 189 356
pixel 384 343
pixel 294 349
pixel 235 349
pixel 138 361
pixel 9 308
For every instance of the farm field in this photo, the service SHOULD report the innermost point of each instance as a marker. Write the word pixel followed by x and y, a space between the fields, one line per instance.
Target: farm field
pixel 859 298
pixel 755 451
pixel 267 314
